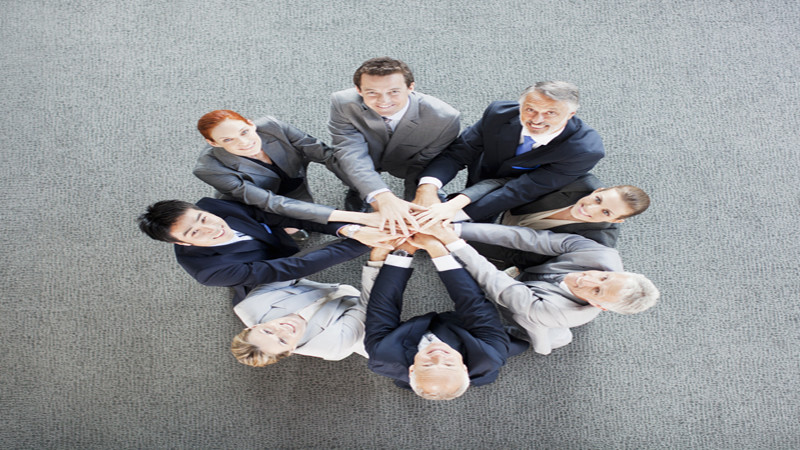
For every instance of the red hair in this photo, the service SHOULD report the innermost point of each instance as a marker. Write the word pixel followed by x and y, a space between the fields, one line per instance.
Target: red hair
pixel 210 121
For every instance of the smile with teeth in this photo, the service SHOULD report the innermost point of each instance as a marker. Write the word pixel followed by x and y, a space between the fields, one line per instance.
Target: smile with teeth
pixel 219 235
pixel 294 330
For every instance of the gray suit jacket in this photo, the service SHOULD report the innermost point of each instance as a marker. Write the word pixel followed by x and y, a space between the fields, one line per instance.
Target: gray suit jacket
pixel 334 332
pixel 239 178
pixel 543 308
pixel 362 146
pixel 605 233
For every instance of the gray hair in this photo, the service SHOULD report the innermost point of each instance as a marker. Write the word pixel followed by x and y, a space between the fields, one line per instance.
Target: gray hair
pixel 638 294
pixel 560 91
pixel 412 381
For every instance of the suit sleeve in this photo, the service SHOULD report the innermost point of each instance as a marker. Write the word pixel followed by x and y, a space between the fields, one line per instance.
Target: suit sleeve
pixel 463 151
pixel 532 185
pixel 521 238
pixel 234 184
pixel 425 156
pixel 280 269
pixel 351 153
pixel 527 308
pixel 484 187
pixel 385 305
pixel 477 314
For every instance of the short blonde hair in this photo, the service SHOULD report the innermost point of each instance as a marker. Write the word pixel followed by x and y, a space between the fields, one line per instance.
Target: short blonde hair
pixel 249 354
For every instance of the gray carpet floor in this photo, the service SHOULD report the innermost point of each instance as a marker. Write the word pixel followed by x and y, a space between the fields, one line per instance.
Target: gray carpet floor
pixel 107 343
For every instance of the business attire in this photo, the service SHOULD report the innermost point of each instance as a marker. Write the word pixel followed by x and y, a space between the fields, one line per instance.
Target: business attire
pixel 268 257
pixel 334 331
pixel 539 303
pixel 473 329
pixel 363 146
pixel 605 233
pixel 488 149
pixel 280 187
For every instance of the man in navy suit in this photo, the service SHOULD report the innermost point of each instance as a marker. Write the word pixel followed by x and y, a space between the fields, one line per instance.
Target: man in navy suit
pixel 436 355
pixel 226 243
pixel 537 143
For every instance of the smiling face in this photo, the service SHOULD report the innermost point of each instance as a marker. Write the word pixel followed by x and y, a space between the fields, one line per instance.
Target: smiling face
pixel 596 287
pixel 541 114
pixel 279 335
pixel 237 137
pixel 201 229
pixel 438 368
pixel 386 95
pixel 601 206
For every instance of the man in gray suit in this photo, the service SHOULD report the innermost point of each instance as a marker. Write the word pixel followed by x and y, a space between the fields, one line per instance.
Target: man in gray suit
pixel 571 289
pixel 383 125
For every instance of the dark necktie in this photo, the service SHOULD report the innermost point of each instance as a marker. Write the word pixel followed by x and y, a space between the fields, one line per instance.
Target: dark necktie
pixel 526 146
pixel 387 121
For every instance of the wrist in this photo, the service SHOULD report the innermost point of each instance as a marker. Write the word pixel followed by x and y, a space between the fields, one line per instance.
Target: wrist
pixel 349 231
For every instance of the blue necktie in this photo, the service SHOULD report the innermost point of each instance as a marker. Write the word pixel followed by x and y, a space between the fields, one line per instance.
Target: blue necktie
pixel 526 146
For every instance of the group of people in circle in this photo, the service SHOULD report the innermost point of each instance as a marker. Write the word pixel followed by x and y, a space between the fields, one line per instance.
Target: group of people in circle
pixel 525 250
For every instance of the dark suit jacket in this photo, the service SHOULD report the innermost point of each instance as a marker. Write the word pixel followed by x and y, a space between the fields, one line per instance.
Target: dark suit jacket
pixel 488 149
pixel 473 329
pixel 265 259
pixel 604 233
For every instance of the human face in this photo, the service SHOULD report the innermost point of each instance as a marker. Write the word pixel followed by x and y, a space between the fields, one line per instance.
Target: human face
pixel 541 114
pixel 601 206
pixel 386 95
pixel 438 368
pixel 596 287
pixel 279 335
pixel 237 137
pixel 201 229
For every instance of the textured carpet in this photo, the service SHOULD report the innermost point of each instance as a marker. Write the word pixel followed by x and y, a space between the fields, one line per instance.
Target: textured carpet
pixel 107 343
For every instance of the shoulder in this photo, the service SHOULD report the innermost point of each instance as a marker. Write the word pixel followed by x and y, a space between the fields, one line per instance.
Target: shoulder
pixel 579 133
pixel 346 96
pixel 224 208
pixel 430 105
pixel 502 108
pixel 269 125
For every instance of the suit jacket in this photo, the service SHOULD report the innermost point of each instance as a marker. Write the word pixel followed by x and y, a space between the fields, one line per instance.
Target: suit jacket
pixel 239 178
pixel 488 149
pixel 362 146
pixel 268 257
pixel 543 309
pixel 605 233
pixel 334 332
pixel 473 329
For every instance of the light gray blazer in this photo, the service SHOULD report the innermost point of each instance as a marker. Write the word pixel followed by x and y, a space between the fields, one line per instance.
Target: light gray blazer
pixel 542 308
pixel 238 178
pixel 334 332
pixel 362 146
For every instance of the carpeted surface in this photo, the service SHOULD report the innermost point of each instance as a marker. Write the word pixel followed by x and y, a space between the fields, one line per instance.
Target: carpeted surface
pixel 107 343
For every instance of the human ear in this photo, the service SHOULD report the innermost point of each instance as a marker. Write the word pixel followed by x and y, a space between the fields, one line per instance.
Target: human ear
pixel 411 86
pixel 212 143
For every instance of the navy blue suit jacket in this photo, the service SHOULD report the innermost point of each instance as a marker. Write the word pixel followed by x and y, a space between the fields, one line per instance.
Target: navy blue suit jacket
pixel 265 259
pixel 473 329
pixel 488 149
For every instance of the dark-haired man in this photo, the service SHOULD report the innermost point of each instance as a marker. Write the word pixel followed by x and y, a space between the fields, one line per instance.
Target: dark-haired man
pixel 383 125
pixel 226 243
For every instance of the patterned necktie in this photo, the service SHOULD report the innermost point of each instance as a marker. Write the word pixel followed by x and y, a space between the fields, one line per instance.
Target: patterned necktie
pixel 388 122
pixel 526 146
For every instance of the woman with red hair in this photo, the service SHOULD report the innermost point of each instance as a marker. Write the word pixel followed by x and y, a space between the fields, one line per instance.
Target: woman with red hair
pixel 263 163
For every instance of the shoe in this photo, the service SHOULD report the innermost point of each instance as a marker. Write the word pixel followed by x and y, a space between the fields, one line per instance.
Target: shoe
pixel 353 202
pixel 300 236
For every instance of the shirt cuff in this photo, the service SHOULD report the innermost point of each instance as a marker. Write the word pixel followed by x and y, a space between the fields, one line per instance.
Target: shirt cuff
pixel 371 196
pixel 430 180
pixel 446 262
pixel 374 263
pixel 461 216
pixel 457 245
pixel 399 261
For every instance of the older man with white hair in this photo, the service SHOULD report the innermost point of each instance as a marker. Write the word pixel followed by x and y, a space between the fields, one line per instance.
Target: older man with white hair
pixel 583 279
pixel 536 143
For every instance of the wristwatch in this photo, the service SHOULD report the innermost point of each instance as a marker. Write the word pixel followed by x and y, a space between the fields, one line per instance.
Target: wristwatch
pixel 400 252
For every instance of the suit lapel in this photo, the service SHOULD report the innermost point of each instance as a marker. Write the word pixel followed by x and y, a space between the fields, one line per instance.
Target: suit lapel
pixel 407 125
